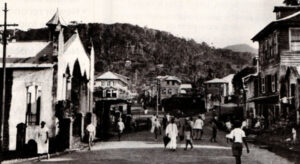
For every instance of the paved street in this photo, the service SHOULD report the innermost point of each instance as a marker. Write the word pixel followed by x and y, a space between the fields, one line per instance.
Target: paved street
pixel 140 147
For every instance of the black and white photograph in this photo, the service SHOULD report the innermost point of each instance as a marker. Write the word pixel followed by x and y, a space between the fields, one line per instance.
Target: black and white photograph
pixel 149 81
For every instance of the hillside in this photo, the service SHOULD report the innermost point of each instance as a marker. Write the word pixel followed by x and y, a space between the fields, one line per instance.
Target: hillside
pixel 117 43
pixel 242 48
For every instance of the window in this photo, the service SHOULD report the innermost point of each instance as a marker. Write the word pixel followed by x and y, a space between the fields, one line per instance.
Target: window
pixel 173 82
pixel 295 39
pixel 108 83
pixel 33 104
pixel 168 82
pixel 170 91
pixel 273 83
pixel 275 43
pixel 103 83
pixel 263 85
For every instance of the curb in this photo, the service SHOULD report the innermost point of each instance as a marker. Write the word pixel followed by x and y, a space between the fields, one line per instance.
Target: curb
pixel 41 157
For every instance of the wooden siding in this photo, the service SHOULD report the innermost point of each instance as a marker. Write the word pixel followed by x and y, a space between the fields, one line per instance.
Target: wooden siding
pixel 290 58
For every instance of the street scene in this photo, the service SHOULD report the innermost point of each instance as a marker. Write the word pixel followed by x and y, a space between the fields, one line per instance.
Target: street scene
pixel 150 81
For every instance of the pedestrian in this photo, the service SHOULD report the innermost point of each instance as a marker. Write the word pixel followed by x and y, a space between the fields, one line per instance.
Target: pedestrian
pixel 168 117
pixel 164 122
pixel 153 123
pixel 157 129
pixel 228 128
pixel 198 127
pixel 91 132
pixel 43 140
pixel 188 134
pixel 121 127
pixel 237 135
pixel 191 122
pixel 172 133
pixel 294 135
pixel 214 130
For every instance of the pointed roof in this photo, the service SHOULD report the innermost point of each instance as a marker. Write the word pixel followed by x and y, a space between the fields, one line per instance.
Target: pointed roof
pixel 113 76
pixel 56 20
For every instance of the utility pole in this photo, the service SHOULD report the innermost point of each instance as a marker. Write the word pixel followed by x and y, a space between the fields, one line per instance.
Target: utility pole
pixel 4 42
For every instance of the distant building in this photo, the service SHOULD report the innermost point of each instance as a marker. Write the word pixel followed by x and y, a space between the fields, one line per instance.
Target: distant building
pixel 110 86
pixel 42 75
pixel 185 89
pixel 168 86
pixel 217 90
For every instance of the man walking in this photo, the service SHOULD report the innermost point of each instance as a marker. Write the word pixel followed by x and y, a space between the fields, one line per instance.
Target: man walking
pixel 237 135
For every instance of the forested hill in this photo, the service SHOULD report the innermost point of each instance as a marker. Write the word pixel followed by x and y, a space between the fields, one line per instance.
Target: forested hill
pixel 146 48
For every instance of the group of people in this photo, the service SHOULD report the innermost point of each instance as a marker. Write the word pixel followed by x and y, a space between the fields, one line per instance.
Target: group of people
pixel 187 129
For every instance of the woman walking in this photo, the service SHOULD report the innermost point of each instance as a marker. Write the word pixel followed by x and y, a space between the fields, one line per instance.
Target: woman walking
pixel 43 140
pixel 121 127
pixel 187 134
pixel 172 133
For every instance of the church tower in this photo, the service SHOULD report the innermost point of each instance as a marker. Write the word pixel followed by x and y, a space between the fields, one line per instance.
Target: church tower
pixel 56 27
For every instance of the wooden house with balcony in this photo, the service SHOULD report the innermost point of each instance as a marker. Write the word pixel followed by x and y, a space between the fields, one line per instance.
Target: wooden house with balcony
pixel 113 100
pixel 278 78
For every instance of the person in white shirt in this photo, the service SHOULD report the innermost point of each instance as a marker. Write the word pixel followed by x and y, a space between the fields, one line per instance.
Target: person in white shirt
pixel 121 127
pixel 91 132
pixel 172 133
pixel 237 135
pixel 198 127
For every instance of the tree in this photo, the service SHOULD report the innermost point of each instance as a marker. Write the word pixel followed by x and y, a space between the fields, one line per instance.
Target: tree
pixel 291 2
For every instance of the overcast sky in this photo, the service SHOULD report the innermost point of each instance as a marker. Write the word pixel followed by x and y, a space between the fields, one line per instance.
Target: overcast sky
pixel 217 22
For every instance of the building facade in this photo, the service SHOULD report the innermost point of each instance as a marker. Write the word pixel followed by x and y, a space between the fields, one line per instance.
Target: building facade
pixel 42 75
pixel 279 61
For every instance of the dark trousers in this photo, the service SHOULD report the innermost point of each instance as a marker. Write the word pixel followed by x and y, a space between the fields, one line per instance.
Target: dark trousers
pixel 214 135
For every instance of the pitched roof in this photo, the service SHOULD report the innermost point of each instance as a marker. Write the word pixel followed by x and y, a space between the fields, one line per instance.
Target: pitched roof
pixel 288 20
pixel 113 76
pixel 186 86
pixel 56 20
pixel 215 80
pixel 169 78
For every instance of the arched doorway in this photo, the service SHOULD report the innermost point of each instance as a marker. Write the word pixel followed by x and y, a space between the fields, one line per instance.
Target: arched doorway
pixel 75 98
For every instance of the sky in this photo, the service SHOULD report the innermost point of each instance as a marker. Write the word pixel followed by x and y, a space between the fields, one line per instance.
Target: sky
pixel 219 23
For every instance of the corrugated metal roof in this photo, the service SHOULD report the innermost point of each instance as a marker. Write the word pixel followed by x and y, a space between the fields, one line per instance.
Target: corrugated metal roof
pixel 23 49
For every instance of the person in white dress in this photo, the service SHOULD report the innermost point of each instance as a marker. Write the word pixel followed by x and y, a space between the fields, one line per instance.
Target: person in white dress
pixel 121 127
pixel 43 140
pixel 172 132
